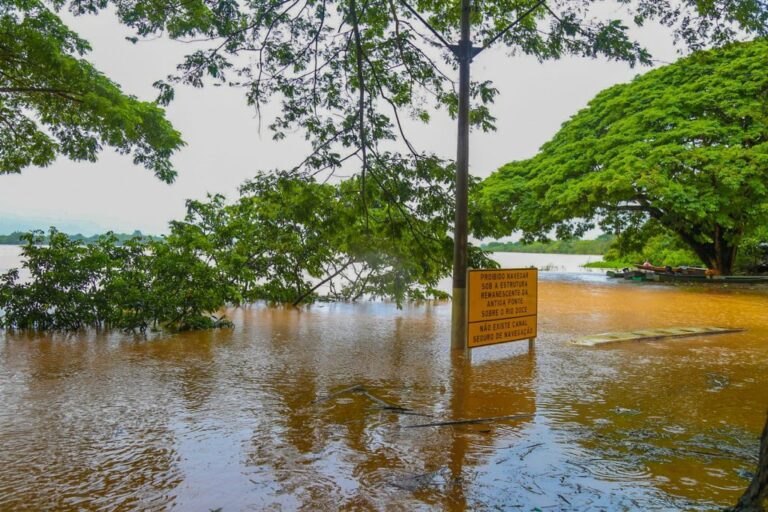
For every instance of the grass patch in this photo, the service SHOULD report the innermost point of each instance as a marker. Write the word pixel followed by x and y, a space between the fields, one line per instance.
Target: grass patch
pixel 608 264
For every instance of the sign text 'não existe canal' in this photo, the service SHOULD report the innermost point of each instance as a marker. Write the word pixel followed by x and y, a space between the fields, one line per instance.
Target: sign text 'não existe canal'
pixel 501 305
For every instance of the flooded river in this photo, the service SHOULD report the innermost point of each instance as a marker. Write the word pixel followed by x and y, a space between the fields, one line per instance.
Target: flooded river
pixel 310 409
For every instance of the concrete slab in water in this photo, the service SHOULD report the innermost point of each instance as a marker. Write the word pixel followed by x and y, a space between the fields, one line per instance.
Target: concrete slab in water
pixel 649 334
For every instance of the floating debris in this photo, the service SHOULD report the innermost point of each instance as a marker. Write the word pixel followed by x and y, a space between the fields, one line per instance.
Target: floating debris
pixel 381 404
pixel 717 381
pixel 417 482
pixel 625 411
pixel 351 389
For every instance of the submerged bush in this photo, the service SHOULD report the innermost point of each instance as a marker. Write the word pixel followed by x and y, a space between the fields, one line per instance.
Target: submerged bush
pixel 131 286
pixel 60 293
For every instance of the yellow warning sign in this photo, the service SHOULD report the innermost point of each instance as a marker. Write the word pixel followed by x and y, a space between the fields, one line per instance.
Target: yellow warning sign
pixel 502 305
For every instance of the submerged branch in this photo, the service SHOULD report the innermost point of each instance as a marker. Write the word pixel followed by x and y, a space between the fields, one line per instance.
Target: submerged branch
pixel 472 421
pixel 321 283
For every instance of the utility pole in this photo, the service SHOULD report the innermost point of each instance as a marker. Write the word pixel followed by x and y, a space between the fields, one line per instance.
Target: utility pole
pixel 464 53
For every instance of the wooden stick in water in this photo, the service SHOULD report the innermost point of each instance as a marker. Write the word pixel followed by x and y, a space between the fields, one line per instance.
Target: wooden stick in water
pixel 470 422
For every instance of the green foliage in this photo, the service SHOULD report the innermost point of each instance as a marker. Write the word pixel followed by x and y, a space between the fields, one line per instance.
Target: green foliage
pixel 54 103
pixel 291 239
pixel 658 246
pixel 685 145
pixel 64 292
pixel 346 72
pixel 287 239
pixel 610 264
pixel 597 246
pixel 753 254
pixel 185 290
pixel 129 286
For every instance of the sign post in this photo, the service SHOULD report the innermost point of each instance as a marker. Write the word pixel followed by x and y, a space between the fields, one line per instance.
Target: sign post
pixel 464 53
pixel 502 305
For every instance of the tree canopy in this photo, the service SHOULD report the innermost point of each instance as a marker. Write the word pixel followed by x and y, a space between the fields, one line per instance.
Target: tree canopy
pixel 347 72
pixel 288 239
pixel 54 103
pixel 685 145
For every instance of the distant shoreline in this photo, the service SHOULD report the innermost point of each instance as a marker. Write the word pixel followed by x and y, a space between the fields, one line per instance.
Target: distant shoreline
pixel 596 247
pixel 16 237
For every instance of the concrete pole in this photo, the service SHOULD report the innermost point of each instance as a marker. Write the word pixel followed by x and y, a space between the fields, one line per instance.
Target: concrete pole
pixel 461 224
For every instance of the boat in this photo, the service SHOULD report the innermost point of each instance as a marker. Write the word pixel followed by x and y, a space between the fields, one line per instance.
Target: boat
pixel 648 267
pixel 691 271
pixel 694 276
pixel 683 269
pixel 631 275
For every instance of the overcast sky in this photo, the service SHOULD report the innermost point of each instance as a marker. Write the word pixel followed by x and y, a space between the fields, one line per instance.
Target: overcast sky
pixel 226 146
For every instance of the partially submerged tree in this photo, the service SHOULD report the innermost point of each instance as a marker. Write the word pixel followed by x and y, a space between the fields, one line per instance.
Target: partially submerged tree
pixel 290 239
pixel 685 145
pixel 755 498
pixel 285 240
pixel 54 103
pixel 132 286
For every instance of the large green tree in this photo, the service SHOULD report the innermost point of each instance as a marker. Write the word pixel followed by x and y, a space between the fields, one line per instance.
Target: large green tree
pixel 685 145
pixel 54 103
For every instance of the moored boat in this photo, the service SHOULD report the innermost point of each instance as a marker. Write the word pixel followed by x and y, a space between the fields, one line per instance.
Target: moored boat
pixel 680 277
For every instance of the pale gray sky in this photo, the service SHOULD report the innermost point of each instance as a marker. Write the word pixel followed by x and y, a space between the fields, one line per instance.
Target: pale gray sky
pixel 226 146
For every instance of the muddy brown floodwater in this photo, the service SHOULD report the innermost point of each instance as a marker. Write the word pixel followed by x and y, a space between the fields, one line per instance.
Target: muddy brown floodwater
pixel 236 419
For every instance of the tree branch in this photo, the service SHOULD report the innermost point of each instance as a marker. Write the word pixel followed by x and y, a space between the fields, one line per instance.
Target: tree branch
pixel 39 90
pixel 321 283
pixel 361 103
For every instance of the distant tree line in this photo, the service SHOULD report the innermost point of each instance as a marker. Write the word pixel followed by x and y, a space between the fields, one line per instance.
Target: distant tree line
pixel 20 237
pixel 652 243
pixel 598 246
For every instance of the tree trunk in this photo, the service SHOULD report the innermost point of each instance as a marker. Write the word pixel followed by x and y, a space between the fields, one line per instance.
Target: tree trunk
pixel 718 256
pixel 725 252
pixel 723 259
pixel 755 498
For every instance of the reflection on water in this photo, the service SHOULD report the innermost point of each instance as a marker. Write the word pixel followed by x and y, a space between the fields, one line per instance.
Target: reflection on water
pixel 247 419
